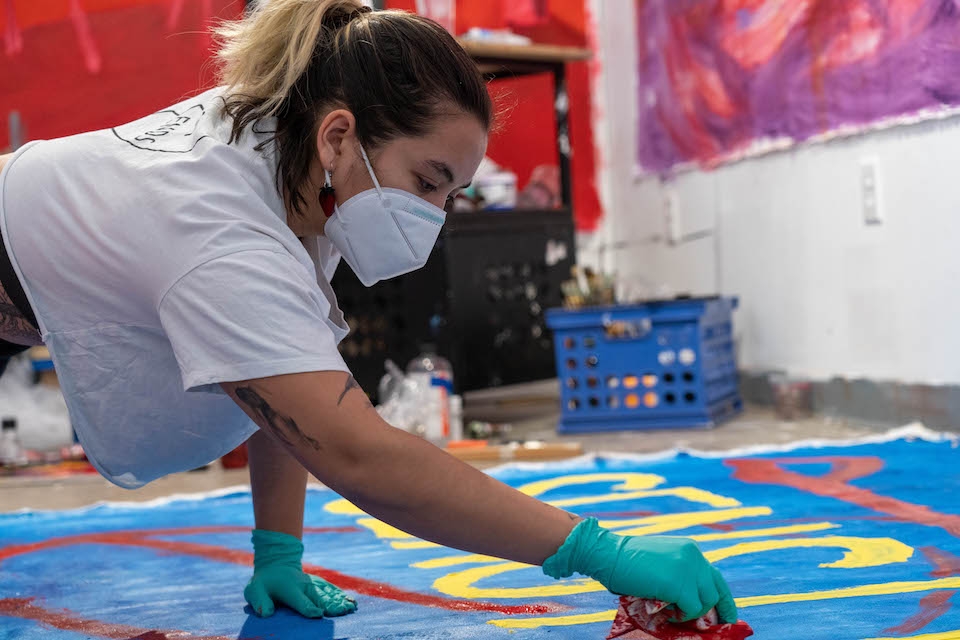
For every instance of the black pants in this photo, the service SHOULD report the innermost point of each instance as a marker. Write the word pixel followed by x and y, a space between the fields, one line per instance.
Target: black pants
pixel 11 285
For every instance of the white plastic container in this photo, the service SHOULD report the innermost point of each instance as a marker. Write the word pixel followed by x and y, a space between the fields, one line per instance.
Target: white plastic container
pixel 443 12
pixel 498 190
pixel 10 450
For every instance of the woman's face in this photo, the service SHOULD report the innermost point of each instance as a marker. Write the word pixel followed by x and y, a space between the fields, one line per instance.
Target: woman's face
pixel 435 166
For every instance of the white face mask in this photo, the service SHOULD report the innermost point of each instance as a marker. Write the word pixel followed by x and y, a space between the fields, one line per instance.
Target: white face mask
pixel 383 233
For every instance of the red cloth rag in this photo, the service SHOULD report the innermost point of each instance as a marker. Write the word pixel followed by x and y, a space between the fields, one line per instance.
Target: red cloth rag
pixel 639 619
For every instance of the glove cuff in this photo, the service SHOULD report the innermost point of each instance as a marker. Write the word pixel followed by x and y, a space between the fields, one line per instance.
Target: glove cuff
pixel 565 562
pixel 272 548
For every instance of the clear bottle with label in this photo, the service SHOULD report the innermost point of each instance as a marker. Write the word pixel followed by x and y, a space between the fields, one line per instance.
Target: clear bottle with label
pixel 11 453
pixel 456 417
pixel 439 371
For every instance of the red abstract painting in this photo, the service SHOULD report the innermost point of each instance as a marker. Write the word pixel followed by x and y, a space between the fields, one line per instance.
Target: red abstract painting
pixel 717 76
pixel 75 65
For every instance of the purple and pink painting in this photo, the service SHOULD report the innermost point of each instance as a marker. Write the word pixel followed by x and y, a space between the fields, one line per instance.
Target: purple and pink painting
pixel 718 76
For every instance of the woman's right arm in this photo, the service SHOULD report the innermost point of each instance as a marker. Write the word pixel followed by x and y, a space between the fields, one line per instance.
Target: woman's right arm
pixel 325 420
pixel 327 423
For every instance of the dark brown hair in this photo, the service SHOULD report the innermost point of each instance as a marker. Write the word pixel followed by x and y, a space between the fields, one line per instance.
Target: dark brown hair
pixel 298 59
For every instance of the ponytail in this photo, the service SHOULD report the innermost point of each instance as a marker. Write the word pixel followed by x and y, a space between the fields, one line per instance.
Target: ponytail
pixel 264 55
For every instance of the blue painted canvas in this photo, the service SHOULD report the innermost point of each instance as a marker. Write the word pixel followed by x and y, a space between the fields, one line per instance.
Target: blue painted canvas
pixel 834 542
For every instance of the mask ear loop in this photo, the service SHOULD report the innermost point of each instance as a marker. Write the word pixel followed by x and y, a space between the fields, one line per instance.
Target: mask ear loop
pixel 366 160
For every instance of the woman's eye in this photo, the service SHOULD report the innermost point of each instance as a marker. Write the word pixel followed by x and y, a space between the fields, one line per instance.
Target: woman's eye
pixel 426 187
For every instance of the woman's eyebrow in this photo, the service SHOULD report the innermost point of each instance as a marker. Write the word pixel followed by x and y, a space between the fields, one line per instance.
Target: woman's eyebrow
pixel 442 168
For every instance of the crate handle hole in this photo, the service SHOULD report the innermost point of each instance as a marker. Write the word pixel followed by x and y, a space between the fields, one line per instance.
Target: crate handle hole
pixel 632 401
pixel 571 363
pixel 594 402
pixel 669 378
pixel 593 361
pixel 669 398
pixel 573 404
pixel 690 397
pixel 589 342
pixel 613 402
pixel 570 343
pixel 613 382
pixel 572 383
pixel 631 382
pixel 688 377
pixel 650 380
pixel 592 382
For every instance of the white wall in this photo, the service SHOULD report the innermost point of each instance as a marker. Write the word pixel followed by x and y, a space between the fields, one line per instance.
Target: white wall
pixel 822 294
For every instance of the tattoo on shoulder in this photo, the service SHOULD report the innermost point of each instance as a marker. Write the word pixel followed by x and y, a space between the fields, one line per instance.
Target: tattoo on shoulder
pixel 349 386
pixel 284 427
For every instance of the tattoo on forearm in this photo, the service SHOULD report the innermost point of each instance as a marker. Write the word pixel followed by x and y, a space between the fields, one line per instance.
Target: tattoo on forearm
pixel 349 386
pixel 284 427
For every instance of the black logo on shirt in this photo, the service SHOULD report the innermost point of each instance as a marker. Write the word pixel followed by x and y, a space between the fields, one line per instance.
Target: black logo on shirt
pixel 166 131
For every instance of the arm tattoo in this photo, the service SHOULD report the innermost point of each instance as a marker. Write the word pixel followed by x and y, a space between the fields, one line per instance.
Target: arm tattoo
pixel 349 386
pixel 284 427
pixel 13 326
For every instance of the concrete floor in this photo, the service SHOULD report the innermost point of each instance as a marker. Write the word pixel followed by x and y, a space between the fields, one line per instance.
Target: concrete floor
pixel 755 426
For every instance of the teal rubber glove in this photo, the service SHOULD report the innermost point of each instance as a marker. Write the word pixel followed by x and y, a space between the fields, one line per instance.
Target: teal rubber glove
pixel 278 578
pixel 661 568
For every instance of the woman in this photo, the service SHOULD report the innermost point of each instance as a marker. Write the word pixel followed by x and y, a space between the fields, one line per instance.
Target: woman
pixel 178 269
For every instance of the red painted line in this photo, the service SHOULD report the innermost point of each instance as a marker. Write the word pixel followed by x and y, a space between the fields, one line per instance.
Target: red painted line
pixel 88 46
pixel 721 526
pixel 836 485
pixel 145 539
pixel 25 609
pixel 932 605
pixel 945 562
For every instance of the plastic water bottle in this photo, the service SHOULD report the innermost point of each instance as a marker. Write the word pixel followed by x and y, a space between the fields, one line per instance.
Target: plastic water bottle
pixel 456 418
pixel 430 365
pixel 10 450
pixel 439 368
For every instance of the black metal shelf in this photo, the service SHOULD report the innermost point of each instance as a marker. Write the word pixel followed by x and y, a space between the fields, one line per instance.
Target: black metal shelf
pixel 505 219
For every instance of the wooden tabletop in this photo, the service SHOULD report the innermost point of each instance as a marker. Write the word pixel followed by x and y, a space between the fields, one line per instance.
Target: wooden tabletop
pixel 544 53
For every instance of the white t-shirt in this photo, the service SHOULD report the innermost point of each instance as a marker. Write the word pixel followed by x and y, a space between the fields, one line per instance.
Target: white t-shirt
pixel 159 264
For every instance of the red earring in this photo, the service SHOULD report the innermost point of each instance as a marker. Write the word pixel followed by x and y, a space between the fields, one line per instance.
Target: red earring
pixel 328 197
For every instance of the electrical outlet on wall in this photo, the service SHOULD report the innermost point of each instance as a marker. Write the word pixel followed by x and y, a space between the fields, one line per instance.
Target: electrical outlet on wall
pixel 671 215
pixel 870 191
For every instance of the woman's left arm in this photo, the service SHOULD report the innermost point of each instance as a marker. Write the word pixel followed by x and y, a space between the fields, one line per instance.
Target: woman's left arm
pixel 279 484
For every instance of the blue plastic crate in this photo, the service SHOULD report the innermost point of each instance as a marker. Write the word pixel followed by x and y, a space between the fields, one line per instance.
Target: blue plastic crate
pixel 663 364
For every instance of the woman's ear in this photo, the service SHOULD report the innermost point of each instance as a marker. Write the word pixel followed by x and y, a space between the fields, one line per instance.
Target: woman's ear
pixel 337 126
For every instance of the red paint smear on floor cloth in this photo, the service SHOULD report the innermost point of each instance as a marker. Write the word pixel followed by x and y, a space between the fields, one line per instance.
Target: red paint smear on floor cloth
pixel 945 562
pixel 66 621
pixel 932 605
pixel 144 539
pixel 835 484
